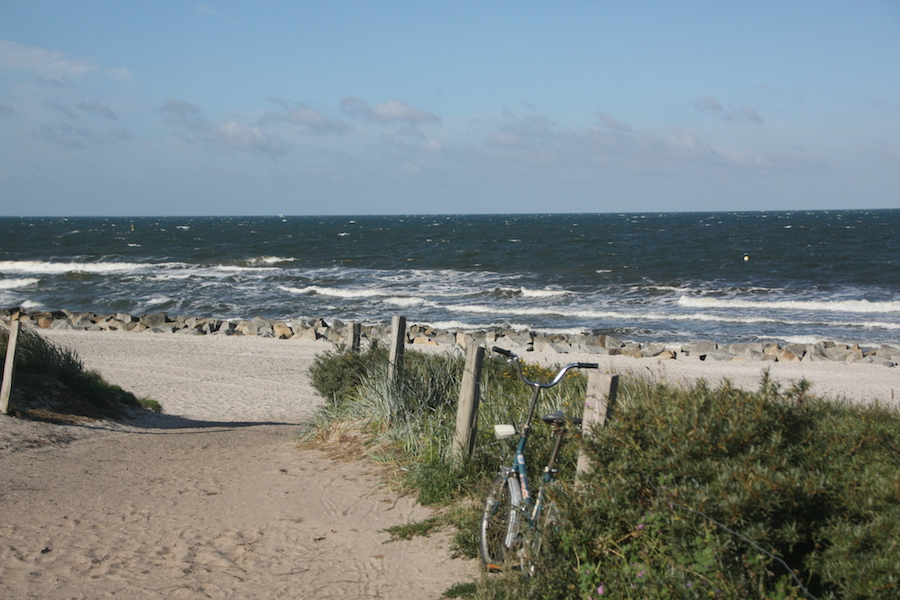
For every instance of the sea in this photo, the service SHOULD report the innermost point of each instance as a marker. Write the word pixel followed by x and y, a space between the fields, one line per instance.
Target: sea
pixel 793 276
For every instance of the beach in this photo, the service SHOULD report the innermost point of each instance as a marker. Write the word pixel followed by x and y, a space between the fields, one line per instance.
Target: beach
pixel 216 498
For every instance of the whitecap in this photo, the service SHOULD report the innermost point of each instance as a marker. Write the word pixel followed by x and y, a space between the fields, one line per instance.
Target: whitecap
pixel 11 284
pixel 858 306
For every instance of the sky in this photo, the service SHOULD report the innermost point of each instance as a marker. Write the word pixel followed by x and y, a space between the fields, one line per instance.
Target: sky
pixel 165 108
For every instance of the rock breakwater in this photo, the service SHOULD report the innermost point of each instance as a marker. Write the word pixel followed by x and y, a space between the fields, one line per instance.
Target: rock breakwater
pixel 339 332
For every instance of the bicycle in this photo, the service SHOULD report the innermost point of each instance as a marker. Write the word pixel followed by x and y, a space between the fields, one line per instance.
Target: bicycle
pixel 511 512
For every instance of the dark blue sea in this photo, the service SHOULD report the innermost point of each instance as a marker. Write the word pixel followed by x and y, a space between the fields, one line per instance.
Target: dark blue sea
pixel 670 277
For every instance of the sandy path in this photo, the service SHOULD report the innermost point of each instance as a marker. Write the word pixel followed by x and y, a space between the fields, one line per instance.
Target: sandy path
pixel 216 501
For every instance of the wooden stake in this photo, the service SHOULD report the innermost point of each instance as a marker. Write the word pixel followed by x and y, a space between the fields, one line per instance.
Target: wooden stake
pixel 356 329
pixel 398 344
pixel 469 396
pixel 598 404
pixel 8 367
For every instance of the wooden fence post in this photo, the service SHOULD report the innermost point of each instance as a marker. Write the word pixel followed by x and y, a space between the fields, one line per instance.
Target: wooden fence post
pixel 356 334
pixel 469 396
pixel 398 344
pixel 598 403
pixel 8 367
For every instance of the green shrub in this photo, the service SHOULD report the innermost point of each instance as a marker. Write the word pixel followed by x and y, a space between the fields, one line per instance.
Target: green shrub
pixel 335 374
pixel 695 492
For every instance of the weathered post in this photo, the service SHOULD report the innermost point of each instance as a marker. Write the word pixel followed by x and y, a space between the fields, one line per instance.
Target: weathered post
pixel 356 329
pixel 598 403
pixel 9 365
pixel 469 396
pixel 398 344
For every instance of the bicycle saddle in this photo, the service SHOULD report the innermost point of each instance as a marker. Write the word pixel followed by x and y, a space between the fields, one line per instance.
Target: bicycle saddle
pixel 558 418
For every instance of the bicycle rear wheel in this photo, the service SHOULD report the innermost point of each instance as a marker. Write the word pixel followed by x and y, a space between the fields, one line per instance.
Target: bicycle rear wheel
pixel 500 520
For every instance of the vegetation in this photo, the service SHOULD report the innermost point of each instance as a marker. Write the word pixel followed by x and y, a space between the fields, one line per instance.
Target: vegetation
pixel 51 383
pixel 695 493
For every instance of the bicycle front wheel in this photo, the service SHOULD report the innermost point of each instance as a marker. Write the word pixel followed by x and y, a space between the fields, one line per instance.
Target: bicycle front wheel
pixel 500 520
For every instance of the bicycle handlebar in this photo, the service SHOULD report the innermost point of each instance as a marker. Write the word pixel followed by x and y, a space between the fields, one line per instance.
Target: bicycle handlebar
pixel 513 357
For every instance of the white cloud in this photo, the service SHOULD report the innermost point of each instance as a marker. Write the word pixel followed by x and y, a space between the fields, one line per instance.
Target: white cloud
pixel 96 108
pixel 746 114
pixel 398 111
pixel 305 117
pixel 233 135
pixel 613 123
pixel 391 111
pixel 51 64
pixel 615 147
pixel 184 114
pixel 229 135
pixel 433 145
pixel 67 135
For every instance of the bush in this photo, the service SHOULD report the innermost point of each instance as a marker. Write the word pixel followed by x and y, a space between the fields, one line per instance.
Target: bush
pixel 336 374
pixel 695 493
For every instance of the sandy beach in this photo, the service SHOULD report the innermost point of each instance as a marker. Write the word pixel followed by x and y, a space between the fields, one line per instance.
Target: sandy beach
pixel 215 498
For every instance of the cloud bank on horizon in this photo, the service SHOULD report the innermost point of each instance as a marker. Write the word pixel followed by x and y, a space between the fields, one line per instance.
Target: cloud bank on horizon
pixel 225 108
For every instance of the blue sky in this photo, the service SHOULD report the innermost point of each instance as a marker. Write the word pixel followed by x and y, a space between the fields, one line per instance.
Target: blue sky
pixel 254 108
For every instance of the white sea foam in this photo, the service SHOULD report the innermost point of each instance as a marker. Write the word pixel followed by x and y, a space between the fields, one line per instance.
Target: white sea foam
pixel 644 317
pixel 405 302
pixel 469 327
pixel 268 260
pixel 545 293
pixel 335 292
pixel 858 306
pixel 157 300
pixel 31 266
pixel 11 284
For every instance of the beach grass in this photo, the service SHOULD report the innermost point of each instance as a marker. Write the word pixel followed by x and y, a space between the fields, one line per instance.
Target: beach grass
pixel 697 492
pixel 51 383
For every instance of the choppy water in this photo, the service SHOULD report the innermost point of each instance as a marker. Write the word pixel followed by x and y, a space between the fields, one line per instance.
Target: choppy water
pixel 788 276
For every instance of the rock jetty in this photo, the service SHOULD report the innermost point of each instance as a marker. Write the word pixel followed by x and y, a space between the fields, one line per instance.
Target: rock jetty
pixel 339 332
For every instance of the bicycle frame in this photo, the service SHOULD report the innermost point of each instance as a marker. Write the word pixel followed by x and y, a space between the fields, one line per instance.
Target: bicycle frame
pixel 509 500
pixel 533 506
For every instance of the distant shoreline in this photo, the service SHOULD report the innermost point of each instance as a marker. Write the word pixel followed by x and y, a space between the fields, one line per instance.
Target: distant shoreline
pixel 424 336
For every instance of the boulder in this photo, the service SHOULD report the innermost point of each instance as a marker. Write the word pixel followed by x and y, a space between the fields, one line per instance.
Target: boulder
pixel 309 334
pixel 740 349
pixel 651 350
pixel 155 319
pixel 510 343
pixel 798 350
pixel 282 331
pixel 781 354
pixel 699 347
pixel 631 349
pixel 82 321
pixel 608 342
